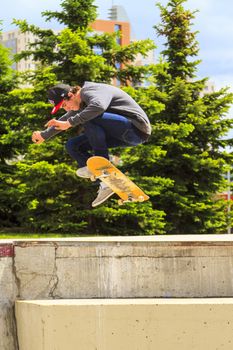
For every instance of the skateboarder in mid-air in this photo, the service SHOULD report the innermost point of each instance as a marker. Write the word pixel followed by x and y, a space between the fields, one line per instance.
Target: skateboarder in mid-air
pixel 109 116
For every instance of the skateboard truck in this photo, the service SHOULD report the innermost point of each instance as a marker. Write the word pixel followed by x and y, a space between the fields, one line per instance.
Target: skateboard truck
pixel 130 200
pixel 104 174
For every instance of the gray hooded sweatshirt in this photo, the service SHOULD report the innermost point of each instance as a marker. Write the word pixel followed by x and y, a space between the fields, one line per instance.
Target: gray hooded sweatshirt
pixel 98 98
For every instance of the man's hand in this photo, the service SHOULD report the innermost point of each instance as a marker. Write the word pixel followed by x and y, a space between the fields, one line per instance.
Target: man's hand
pixel 58 124
pixel 37 138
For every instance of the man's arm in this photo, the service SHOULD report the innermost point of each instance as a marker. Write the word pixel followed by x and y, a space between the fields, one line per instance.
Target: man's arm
pixel 59 125
pixel 52 130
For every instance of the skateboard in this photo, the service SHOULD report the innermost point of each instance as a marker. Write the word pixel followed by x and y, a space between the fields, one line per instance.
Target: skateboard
pixel 126 189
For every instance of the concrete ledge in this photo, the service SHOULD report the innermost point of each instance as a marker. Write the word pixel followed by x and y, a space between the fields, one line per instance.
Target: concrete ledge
pixel 125 267
pixel 118 267
pixel 111 267
pixel 135 324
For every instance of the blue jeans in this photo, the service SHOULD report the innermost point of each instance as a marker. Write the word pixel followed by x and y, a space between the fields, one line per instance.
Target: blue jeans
pixel 101 133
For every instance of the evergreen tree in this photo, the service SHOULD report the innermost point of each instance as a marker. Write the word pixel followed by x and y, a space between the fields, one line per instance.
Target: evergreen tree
pixel 54 198
pixel 183 164
pixel 191 131
pixel 9 144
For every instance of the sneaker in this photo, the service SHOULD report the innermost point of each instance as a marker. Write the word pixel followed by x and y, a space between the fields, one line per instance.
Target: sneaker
pixel 84 172
pixel 104 193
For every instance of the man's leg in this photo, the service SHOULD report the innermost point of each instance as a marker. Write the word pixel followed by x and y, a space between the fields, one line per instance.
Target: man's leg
pixel 104 132
pixel 78 148
pixel 109 131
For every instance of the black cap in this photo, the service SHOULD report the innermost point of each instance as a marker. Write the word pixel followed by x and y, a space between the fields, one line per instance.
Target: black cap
pixel 56 95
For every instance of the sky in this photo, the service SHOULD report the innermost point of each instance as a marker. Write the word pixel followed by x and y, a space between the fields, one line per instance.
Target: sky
pixel 213 21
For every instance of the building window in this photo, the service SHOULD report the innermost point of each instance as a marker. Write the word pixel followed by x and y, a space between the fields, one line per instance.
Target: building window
pixel 117 28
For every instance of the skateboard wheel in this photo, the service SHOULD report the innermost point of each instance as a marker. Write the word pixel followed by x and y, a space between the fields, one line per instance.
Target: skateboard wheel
pixel 141 199
pixel 93 178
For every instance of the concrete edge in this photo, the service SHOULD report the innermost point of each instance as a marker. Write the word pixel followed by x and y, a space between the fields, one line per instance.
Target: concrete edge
pixel 129 301
pixel 127 239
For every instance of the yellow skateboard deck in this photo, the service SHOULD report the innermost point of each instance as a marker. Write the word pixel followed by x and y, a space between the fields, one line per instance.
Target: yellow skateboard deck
pixel 127 190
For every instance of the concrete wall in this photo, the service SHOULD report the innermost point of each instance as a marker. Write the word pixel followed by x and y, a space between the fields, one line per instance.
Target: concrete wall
pixel 126 324
pixel 8 294
pixel 116 267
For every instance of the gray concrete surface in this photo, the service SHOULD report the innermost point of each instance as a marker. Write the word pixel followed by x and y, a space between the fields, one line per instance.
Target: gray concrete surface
pixel 8 294
pixel 114 267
